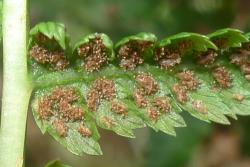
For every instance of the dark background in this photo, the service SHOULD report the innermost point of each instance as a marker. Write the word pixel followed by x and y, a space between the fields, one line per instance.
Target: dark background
pixel 198 145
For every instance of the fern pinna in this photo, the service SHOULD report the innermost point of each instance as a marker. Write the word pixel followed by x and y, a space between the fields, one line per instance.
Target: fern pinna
pixel 137 82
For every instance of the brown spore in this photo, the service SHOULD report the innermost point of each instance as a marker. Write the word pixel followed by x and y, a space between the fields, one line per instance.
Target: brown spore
pixel 69 112
pixel 65 94
pixel 246 46
pixel 147 83
pixel 238 97
pixel 40 54
pixel 220 42
pixel 215 88
pixel 181 93
pixel 106 88
pixel 170 56
pixel 140 99
pixel 207 58
pixel 61 62
pixel 153 113
pixel 42 38
pixel 55 58
pixel 162 104
pixel 93 100
pixel 119 108
pixel 94 53
pixel 84 131
pixel 187 82
pixel 167 58
pixel 245 68
pixel 109 122
pixel 188 79
pixel 184 45
pixel 45 108
pixel 131 53
pixel 61 128
pixel 223 77
pixel 239 57
pixel 199 106
pixel 247 77
pixel 102 89
pixel 60 104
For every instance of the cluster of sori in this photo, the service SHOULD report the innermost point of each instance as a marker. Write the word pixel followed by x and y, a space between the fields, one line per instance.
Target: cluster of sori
pixel 137 82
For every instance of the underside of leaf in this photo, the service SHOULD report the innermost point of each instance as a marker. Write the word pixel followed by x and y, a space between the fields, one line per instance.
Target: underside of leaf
pixel 139 82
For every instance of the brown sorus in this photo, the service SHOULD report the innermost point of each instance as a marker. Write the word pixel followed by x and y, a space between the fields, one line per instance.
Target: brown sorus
pixel 102 89
pixel 61 127
pixel 207 58
pixel 167 57
pixel 170 62
pixel 223 77
pixel 239 58
pixel 76 113
pixel 188 80
pixel 61 64
pixel 181 93
pixel 42 38
pixel 93 100
pixel 106 88
pixel 162 104
pixel 246 46
pixel 215 88
pixel 94 53
pixel 199 106
pixel 131 53
pixel 247 77
pixel 245 68
pixel 220 42
pixel 170 56
pixel 109 122
pixel 140 98
pixel 183 46
pixel 84 131
pixel 55 58
pixel 147 83
pixel 238 97
pixel 40 54
pixel 45 108
pixel 66 94
pixel 119 108
pixel 60 103
pixel 67 112
pixel 153 113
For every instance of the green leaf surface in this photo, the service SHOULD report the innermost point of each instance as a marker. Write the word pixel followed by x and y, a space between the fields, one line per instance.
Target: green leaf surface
pixel 143 36
pixel 52 31
pixel 199 42
pixel 248 35
pixel 233 37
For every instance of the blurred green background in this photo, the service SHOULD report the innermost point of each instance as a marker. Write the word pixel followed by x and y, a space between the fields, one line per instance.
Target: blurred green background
pixel 198 145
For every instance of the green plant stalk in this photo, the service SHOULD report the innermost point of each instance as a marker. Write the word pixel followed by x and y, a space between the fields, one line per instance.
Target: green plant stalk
pixel 16 85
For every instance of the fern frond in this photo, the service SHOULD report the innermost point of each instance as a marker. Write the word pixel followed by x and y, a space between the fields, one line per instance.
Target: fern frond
pixel 139 82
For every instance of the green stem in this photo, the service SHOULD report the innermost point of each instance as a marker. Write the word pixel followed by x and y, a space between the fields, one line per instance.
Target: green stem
pixel 16 85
